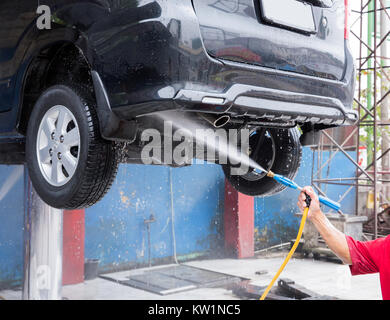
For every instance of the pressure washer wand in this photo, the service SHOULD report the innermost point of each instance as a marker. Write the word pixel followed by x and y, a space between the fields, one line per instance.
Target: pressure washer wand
pixel 291 184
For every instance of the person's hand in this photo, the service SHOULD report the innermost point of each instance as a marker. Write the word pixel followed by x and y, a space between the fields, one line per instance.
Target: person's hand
pixel 314 210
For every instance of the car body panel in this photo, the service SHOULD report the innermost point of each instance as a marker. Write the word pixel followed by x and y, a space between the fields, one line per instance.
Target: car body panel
pixel 16 17
pixel 148 52
pixel 235 30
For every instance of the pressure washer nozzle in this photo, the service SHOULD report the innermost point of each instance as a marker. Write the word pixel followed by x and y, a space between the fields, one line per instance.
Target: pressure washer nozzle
pixel 270 174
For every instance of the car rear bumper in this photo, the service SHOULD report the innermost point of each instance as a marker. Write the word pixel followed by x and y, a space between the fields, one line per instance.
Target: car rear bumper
pixel 256 94
pixel 259 93
pixel 255 103
pixel 252 93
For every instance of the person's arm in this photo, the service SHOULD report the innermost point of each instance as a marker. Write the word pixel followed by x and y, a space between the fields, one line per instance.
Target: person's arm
pixel 334 238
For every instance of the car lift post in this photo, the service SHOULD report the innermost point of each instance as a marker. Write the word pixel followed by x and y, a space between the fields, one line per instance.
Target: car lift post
pixel 43 226
pixel 239 223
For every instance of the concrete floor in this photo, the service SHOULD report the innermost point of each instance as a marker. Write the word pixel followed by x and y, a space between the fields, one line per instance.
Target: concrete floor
pixel 324 278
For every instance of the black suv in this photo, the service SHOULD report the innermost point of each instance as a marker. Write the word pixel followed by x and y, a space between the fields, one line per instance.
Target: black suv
pixel 77 93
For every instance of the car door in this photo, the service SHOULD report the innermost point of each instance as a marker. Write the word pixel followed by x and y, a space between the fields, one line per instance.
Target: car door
pixel 15 17
pixel 301 36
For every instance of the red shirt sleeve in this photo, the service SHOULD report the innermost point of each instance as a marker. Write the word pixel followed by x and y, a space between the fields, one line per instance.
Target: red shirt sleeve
pixel 367 257
pixel 371 257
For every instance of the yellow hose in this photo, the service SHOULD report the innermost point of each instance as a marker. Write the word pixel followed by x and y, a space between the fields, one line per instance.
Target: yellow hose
pixel 303 221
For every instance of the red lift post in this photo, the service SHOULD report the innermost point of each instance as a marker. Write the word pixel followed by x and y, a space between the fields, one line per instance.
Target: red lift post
pixel 73 247
pixel 239 222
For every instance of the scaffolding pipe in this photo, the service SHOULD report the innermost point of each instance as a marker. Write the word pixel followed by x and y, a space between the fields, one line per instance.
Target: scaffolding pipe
pixel 370 53
pixel 385 87
pixel 375 123
pixel 372 103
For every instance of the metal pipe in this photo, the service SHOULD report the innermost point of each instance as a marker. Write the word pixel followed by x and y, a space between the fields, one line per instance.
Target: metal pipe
pixel 346 154
pixel 339 183
pixel 359 106
pixel 375 123
pixel 370 30
pixel 335 152
pixel 147 222
pixel 336 179
pixel 385 85
pixel 42 278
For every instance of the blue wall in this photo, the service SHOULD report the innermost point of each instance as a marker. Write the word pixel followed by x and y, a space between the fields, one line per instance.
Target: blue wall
pixel 115 230
pixel 11 224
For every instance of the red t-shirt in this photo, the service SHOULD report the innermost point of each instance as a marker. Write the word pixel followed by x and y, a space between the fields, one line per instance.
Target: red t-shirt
pixel 372 257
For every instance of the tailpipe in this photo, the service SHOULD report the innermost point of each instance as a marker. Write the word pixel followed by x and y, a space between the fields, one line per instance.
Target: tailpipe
pixel 216 121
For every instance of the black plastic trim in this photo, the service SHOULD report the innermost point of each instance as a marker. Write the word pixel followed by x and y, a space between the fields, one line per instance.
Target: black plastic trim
pixel 111 127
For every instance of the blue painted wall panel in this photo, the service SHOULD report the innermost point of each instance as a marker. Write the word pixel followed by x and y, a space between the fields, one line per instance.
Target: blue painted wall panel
pixel 11 224
pixel 198 203
pixel 115 229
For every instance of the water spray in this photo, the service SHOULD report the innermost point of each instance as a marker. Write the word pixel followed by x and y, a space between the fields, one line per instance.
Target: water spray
pixel 226 150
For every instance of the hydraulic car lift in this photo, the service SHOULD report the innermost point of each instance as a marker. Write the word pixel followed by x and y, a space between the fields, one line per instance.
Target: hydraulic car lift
pixel 43 234
pixel 42 279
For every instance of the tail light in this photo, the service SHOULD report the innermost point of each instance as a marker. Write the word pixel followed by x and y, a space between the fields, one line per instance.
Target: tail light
pixel 346 23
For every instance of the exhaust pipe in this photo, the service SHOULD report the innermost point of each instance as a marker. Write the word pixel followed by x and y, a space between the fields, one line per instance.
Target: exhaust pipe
pixel 215 121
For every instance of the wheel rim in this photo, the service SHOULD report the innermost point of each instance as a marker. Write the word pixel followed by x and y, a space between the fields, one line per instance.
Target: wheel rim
pixel 58 145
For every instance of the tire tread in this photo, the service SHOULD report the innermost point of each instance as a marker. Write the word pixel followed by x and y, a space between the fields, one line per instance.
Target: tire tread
pixel 102 162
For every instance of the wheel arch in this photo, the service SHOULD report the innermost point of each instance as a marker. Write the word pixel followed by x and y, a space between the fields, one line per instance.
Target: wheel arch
pixel 47 66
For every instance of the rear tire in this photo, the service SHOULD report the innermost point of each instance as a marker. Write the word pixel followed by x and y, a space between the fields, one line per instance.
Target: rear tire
pixel 66 170
pixel 280 151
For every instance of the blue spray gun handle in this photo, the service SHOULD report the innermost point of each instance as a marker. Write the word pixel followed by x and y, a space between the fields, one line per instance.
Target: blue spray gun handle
pixel 291 184
pixel 285 181
pixel 330 203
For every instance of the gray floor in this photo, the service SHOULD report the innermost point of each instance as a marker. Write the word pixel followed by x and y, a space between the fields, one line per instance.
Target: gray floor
pixel 325 278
